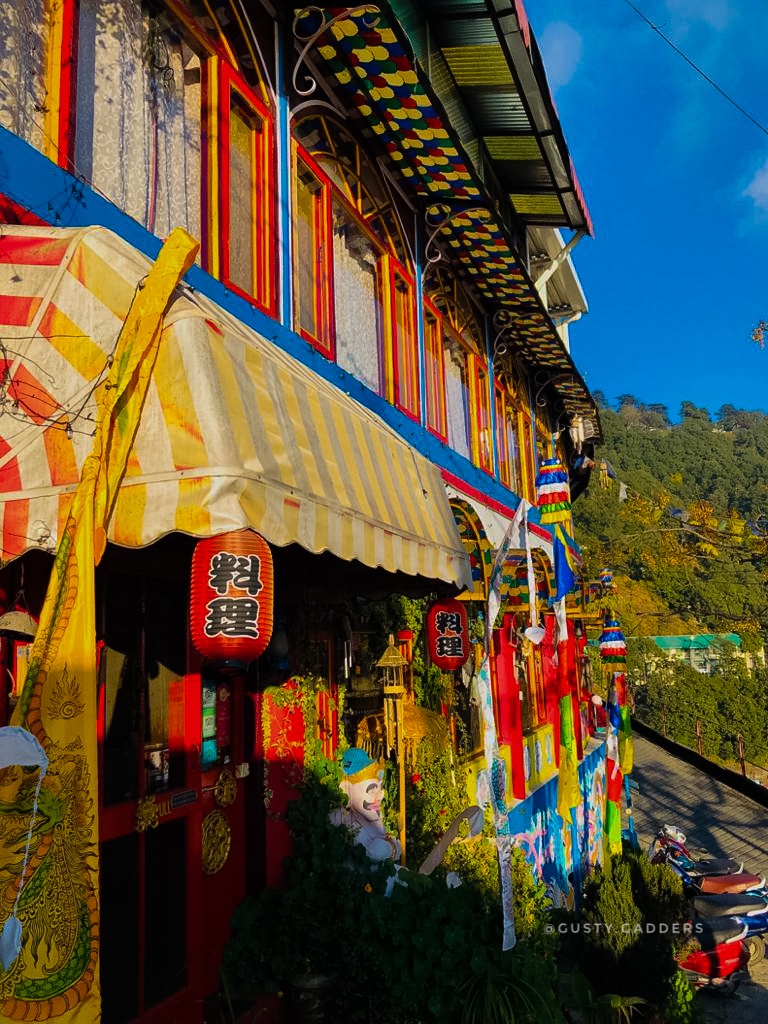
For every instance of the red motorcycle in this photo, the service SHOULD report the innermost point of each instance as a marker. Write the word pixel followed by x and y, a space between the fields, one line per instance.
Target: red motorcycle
pixel 719 965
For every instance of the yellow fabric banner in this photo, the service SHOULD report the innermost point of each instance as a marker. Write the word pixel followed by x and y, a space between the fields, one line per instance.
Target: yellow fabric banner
pixel 56 975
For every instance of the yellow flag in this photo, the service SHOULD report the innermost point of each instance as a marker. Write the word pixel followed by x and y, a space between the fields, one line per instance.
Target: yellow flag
pixel 56 975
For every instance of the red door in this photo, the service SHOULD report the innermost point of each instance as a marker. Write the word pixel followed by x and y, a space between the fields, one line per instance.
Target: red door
pixel 151 805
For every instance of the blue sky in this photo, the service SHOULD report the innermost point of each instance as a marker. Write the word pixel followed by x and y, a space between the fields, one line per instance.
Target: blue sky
pixel 676 181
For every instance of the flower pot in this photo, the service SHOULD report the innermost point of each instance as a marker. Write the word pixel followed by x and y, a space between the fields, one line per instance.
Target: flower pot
pixel 310 997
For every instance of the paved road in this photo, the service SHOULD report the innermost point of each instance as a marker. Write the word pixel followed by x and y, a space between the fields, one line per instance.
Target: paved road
pixel 715 819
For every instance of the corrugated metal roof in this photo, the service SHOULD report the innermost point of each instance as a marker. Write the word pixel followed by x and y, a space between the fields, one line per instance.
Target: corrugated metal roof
pixel 441 163
pixel 498 73
pixel 695 641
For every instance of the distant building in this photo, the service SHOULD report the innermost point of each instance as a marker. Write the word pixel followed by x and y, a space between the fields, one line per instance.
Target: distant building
pixel 703 651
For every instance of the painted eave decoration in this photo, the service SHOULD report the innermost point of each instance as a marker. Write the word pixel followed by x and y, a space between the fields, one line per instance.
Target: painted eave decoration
pixel 494 61
pixel 380 80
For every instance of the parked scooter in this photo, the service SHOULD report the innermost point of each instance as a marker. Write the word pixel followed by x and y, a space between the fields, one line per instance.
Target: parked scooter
pixel 720 965
pixel 669 845
pixel 751 911
pixel 704 885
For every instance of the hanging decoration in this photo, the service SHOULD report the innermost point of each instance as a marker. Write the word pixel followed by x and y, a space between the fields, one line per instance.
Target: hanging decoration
pixel 568 790
pixel 231 603
pixel 613 646
pixel 606 579
pixel 553 493
pixel 448 634
pixel 619 747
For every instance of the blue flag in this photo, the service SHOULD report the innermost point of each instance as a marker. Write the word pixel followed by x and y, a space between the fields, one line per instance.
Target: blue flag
pixel 565 576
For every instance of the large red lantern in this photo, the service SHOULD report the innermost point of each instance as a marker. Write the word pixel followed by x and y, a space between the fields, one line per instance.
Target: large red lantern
pixel 448 634
pixel 231 603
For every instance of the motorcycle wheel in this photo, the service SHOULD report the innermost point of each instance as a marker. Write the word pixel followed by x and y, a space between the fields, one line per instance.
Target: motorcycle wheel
pixel 756 946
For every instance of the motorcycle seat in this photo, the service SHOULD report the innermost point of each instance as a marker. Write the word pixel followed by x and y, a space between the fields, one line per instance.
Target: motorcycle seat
pixel 726 903
pixel 714 866
pixel 737 883
pixel 714 931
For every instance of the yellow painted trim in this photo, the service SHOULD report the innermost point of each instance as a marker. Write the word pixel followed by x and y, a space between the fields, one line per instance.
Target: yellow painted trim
pixel 222 38
pixel 55 16
pixel 388 340
pixel 213 115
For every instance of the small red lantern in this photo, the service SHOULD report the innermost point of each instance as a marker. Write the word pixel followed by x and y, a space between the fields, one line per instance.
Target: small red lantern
pixel 231 603
pixel 448 634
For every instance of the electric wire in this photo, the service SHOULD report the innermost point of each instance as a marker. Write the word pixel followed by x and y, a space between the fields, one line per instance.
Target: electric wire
pixel 696 68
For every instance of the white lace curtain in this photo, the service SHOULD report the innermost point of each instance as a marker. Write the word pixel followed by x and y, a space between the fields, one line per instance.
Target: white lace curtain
pixel 22 69
pixel 138 125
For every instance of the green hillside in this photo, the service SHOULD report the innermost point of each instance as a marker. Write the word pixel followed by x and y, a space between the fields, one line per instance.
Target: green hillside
pixel 679 513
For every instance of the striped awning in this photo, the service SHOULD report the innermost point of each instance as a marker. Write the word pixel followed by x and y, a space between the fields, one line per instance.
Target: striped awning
pixel 235 433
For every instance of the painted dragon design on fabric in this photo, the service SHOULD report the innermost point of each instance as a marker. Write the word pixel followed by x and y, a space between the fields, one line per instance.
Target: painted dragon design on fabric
pixel 56 974
pixel 58 908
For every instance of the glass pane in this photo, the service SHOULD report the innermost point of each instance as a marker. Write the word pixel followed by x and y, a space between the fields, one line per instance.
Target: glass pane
pixel 457 398
pixel 435 385
pixel 241 201
pixel 22 70
pixel 405 348
pixel 306 251
pixel 165 910
pixel 513 452
pixel 142 672
pixel 119 929
pixel 357 306
pixel 165 632
pixel 483 421
pixel 121 676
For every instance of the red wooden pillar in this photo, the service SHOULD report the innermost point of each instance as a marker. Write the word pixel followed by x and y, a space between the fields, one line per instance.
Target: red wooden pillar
pixel 510 723
pixel 280 755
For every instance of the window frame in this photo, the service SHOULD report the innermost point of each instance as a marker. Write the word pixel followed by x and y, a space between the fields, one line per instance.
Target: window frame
pixel 434 372
pixel 400 342
pixel 480 409
pixel 323 283
pixel 231 90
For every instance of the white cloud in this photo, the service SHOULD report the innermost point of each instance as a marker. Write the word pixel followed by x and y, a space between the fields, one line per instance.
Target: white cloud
pixel 757 189
pixel 716 13
pixel 561 48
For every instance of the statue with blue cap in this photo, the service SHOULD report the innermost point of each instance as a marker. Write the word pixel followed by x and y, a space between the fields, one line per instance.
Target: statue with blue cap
pixel 363 783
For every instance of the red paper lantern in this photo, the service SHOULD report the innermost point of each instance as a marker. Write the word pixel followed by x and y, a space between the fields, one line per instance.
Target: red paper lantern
pixel 231 602
pixel 448 634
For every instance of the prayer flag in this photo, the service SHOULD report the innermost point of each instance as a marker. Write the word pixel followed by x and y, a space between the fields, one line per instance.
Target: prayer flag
pixel 56 975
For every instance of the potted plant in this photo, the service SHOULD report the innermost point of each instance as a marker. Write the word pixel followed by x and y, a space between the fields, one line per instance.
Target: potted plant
pixel 292 940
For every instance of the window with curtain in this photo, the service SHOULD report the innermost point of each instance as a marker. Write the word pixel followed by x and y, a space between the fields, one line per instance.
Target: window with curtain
pixel 247 258
pixel 434 369
pixel 356 294
pixel 457 396
pixel 482 440
pixel 348 260
pixel 507 439
pixel 22 69
pixel 242 199
pixel 140 79
pixel 311 255
pixel 405 348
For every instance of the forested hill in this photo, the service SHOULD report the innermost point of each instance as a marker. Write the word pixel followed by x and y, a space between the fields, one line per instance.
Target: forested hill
pixel 679 513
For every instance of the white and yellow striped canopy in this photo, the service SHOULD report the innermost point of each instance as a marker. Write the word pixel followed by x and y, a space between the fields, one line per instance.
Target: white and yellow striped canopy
pixel 235 432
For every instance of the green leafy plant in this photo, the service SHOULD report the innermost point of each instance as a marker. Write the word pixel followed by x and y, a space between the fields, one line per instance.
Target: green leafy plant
pixel 510 989
pixel 607 1008
pixel 631 925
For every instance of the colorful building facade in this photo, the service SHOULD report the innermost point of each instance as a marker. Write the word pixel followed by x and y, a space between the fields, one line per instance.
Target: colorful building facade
pixel 367 364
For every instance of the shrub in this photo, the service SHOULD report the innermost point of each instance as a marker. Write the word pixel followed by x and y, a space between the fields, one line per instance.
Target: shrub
pixel 631 923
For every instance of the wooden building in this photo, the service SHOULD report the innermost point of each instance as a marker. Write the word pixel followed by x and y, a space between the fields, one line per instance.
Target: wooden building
pixel 368 365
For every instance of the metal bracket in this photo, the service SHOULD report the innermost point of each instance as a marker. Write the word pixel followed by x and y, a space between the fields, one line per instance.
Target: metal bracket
pixel 309 41
pixel 437 226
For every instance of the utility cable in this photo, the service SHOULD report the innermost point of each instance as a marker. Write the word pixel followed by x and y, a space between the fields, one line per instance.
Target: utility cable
pixel 695 67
